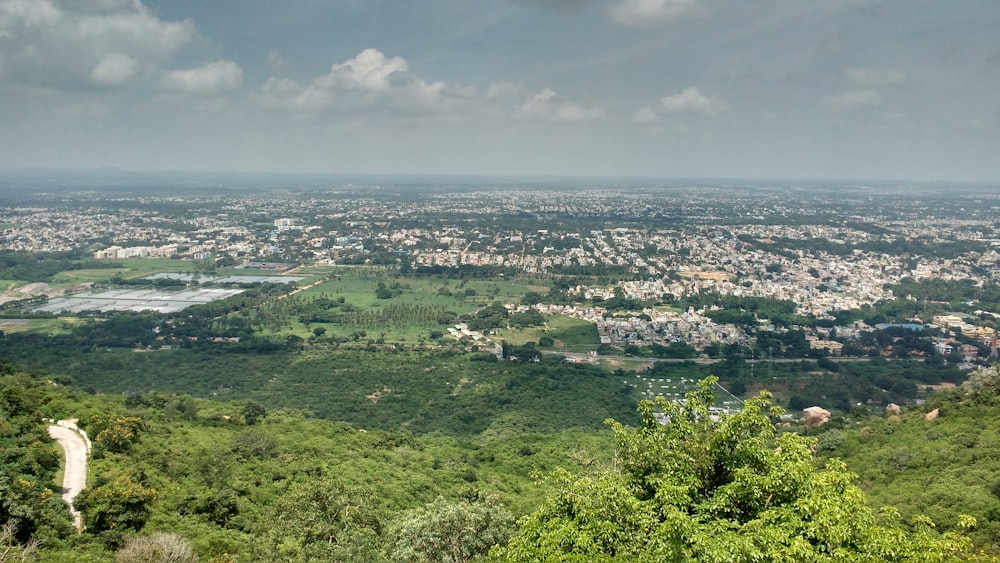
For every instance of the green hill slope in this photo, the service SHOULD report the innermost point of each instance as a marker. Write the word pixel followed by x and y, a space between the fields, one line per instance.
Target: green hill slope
pixel 422 392
pixel 942 468
pixel 239 482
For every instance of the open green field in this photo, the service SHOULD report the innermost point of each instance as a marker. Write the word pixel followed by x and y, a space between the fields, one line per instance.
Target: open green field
pixel 141 267
pixel 95 275
pixel 132 268
pixel 667 309
pixel 7 285
pixel 411 315
pixel 47 326
pixel 571 335
pixel 358 289
pixel 358 286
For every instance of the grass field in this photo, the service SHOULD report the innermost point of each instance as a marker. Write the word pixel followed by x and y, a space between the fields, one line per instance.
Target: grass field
pixel 97 275
pixel 7 285
pixel 131 268
pixel 447 297
pixel 358 288
pixel 571 335
pixel 140 267
pixel 61 325
pixel 667 309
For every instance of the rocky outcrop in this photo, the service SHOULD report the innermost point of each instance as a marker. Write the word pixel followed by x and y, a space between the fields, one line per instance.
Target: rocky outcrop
pixel 932 415
pixel 815 416
pixel 892 409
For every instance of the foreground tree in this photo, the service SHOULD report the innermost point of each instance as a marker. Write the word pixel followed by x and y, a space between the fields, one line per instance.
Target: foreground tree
pixel 121 504
pixel 322 519
pixel 687 487
pixel 452 532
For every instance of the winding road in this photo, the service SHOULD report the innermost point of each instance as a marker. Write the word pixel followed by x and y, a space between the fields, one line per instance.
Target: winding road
pixel 75 473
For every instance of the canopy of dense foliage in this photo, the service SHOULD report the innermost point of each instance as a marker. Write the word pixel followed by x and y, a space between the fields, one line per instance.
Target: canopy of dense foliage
pixel 286 488
pixel 944 467
pixel 686 487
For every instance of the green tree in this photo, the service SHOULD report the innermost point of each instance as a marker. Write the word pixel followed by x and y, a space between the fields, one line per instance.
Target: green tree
pixel 114 433
pixel 453 532
pixel 322 519
pixel 122 504
pixel 691 488
pixel 253 412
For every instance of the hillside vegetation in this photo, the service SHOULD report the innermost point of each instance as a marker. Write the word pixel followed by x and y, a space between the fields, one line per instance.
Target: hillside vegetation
pixel 943 467
pixel 220 475
pixel 216 481
pixel 443 391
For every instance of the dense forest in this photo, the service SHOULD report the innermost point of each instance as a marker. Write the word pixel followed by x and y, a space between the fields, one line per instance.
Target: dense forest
pixel 208 480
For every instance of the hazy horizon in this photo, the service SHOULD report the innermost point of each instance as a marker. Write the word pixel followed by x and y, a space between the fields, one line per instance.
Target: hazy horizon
pixel 96 176
pixel 680 89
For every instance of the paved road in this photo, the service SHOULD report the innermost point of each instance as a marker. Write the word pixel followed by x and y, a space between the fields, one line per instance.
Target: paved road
pixel 75 474
pixel 585 356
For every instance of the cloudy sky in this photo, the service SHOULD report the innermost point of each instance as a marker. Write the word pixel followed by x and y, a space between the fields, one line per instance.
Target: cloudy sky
pixel 905 89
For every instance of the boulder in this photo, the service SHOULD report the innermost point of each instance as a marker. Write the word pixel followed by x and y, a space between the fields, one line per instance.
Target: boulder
pixel 932 415
pixel 891 409
pixel 815 416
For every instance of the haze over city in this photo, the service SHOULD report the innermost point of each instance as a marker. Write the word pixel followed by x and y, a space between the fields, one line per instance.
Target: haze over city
pixel 695 88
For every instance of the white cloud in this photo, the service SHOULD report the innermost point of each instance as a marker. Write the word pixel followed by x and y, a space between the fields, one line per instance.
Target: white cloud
pixel 871 77
pixel 538 105
pixel 369 70
pixel 644 115
pixel 374 84
pixel 691 101
pixel 207 79
pixel 853 100
pixel 503 90
pixel 370 81
pixel 544 105
pixel 114 69
pixel 284 94
pixel 73 44
pixel 646 13
pixel 572 112
pixel 274 59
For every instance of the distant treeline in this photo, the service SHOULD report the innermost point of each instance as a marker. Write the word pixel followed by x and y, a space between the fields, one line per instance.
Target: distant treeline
pixel 42 266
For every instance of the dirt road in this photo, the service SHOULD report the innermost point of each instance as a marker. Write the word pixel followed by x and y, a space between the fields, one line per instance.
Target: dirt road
pixel 75 474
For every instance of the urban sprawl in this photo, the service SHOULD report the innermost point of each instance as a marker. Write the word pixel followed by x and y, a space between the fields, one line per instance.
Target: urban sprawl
pixel 824 249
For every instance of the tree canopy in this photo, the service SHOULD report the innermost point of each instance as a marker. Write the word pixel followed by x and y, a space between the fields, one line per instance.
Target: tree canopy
pixel 688 485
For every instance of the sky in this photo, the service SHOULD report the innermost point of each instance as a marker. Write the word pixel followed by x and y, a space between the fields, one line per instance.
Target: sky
pixel 872 89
